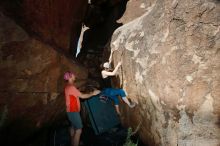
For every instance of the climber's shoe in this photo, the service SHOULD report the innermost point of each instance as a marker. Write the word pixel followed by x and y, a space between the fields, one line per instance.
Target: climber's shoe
pixel 132 105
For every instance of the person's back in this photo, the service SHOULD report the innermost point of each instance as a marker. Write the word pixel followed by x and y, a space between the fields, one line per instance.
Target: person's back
pixel 72 98
pixel 107 74
pixel 106 83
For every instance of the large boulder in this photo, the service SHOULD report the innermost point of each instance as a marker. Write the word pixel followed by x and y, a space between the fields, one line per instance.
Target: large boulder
pixel 171 67
pixel 57 22
pixel 134 9
pixel 31 83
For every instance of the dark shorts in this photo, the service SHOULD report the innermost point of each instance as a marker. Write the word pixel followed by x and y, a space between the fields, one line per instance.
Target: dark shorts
pixel 113 94
pixel 75 119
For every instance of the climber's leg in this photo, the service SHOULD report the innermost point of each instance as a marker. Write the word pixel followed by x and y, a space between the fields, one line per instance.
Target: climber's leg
pixel 116 103
pixel 117 109
pixel 128 103
pixel 122 93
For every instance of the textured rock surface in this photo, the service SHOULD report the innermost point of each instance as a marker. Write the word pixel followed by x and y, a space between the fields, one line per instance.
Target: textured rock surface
pixel 31 82
pixel 171 66
pixel 134 9
pixel 57 22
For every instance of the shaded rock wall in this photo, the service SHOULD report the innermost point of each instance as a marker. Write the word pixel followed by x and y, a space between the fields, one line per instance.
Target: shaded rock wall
pixel 101 19
pixel 134 9
pixel 31 83
pixel 56 22
pixel 171 57
pixel 59 22
pixel 31 71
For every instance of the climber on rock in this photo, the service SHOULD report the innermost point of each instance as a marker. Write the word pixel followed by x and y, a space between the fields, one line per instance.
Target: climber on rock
pixel 108 91
pixel 107 73
pixel 72 95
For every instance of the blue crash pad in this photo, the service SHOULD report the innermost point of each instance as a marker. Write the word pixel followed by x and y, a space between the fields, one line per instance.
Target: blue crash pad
pixel 102 114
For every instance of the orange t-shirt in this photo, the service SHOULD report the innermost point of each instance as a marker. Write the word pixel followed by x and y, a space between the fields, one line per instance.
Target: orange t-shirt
pixel 72 99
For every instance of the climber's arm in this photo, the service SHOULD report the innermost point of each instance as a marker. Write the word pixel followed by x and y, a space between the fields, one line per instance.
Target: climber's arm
pixel 107 73
pixel 88 95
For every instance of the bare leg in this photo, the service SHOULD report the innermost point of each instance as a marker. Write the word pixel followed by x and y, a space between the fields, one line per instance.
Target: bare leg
pixel 77 137
pixel 72 132
pixel 127 102
pixel 117 109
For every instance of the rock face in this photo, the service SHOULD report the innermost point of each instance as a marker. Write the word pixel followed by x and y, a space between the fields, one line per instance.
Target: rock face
pixel 134 9
pixel 31 72
pixel 171 67
pixel 31 87
pixel 57 22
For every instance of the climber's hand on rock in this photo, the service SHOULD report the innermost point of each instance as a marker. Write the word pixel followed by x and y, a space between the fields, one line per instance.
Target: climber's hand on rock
pixel 120 63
